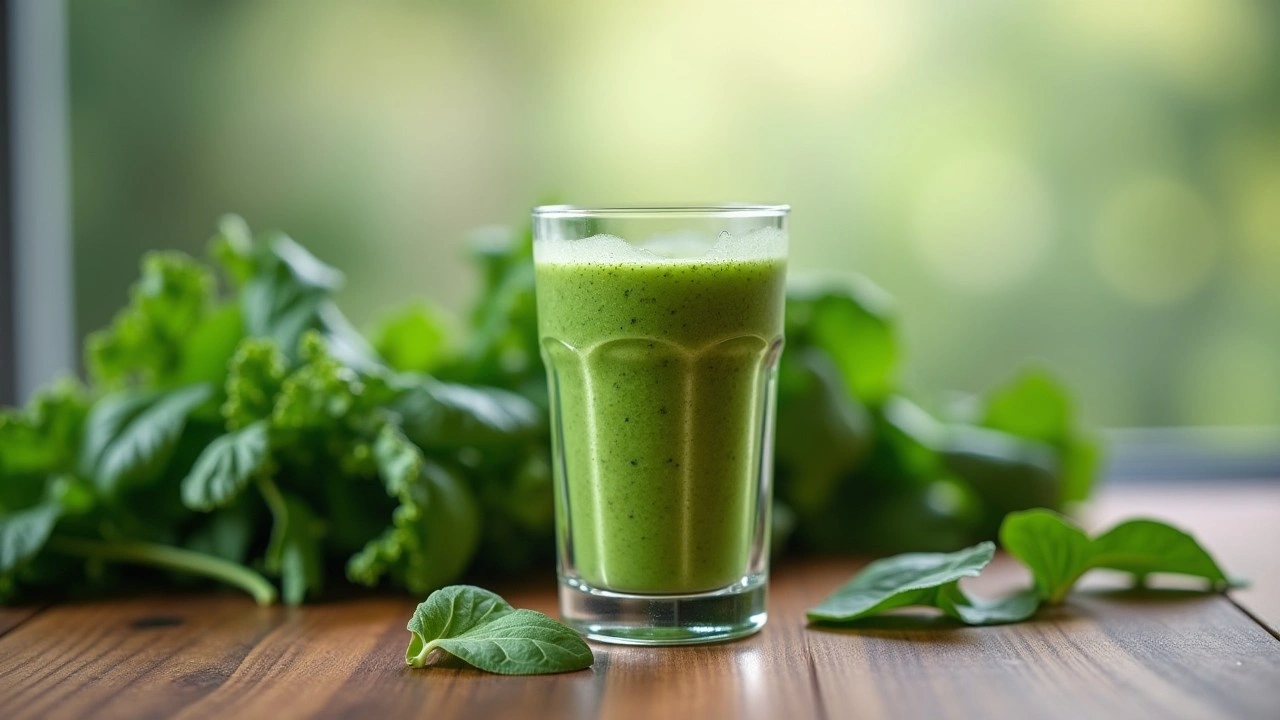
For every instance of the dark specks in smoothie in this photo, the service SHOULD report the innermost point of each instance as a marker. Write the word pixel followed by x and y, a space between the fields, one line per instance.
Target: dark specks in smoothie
pixel 683 306
pixel 633 321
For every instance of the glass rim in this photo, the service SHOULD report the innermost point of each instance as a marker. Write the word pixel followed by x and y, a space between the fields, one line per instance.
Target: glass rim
pixel 730 210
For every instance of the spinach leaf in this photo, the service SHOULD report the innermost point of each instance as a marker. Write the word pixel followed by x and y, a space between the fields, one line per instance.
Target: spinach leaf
pixel 823 433
pixel 225 467
pixel 1035 406
pixel 1006 472
pixel 449 416
pixel 973 611
pixel 128 435
pixel 1055 550
pixel 849 318
pixel 1144 546
pixel 209 345
pixel 287 291
pixel 412 339
pixel 900 581
pixel 483 630
pixel 1058 552
pixel 502 348
pixel 283 296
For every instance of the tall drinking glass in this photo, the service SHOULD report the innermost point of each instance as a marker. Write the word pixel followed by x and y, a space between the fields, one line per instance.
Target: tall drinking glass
pixel 661 329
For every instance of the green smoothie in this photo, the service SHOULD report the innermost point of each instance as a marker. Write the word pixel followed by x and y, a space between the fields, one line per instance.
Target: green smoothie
pixel 660 370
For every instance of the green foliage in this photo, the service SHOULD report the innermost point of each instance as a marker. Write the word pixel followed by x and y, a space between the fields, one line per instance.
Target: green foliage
pixel 147 341
pixel 923 580
pixel 1058 552
pixel 435 527
pixel 848 317
pixel 900 581
pixel 129 434
pixel 293 554
pixel 233 395
pixel 1037 407
pixel 225 468
pixel 412 339
pixel 254 376
pixel 483 630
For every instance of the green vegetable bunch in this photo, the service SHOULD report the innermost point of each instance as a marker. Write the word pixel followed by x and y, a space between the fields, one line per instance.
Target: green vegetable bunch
pixel 862 468
pixel 236 427
pixel 250 432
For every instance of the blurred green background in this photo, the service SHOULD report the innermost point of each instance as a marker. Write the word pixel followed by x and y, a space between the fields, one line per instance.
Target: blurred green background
pixel 1089 182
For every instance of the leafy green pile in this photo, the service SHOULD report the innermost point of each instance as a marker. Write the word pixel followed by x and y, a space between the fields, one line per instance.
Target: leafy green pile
pixel 235 426
pixel 1055 550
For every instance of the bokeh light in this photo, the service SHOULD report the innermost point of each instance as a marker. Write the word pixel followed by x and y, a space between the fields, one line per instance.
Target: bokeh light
pixel 1086 182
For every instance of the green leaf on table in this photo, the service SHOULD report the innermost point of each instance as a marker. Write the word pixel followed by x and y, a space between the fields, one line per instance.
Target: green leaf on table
pixel 900 581
pixel 225 467
pixel 1142 547
pixel 1056 551
pixel 128 435
pixel 976 611
pixel 483 630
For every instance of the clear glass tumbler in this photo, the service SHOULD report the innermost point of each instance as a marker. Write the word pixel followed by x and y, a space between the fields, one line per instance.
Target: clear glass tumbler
pixel 661 329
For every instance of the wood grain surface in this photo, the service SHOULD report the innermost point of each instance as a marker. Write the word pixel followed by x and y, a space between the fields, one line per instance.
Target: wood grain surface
pixel 1155 654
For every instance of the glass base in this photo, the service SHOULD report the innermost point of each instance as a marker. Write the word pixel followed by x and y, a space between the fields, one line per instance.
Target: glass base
pixel 628 619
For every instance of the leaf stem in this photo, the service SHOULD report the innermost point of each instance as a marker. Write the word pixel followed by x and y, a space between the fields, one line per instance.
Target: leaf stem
pixel 274 499
pixel 170 558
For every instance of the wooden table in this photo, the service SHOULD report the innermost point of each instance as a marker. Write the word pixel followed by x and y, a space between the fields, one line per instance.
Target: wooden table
pixel 1105 654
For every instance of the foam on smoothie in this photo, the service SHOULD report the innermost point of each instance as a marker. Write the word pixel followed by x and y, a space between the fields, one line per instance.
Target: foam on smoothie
pixel 676 248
